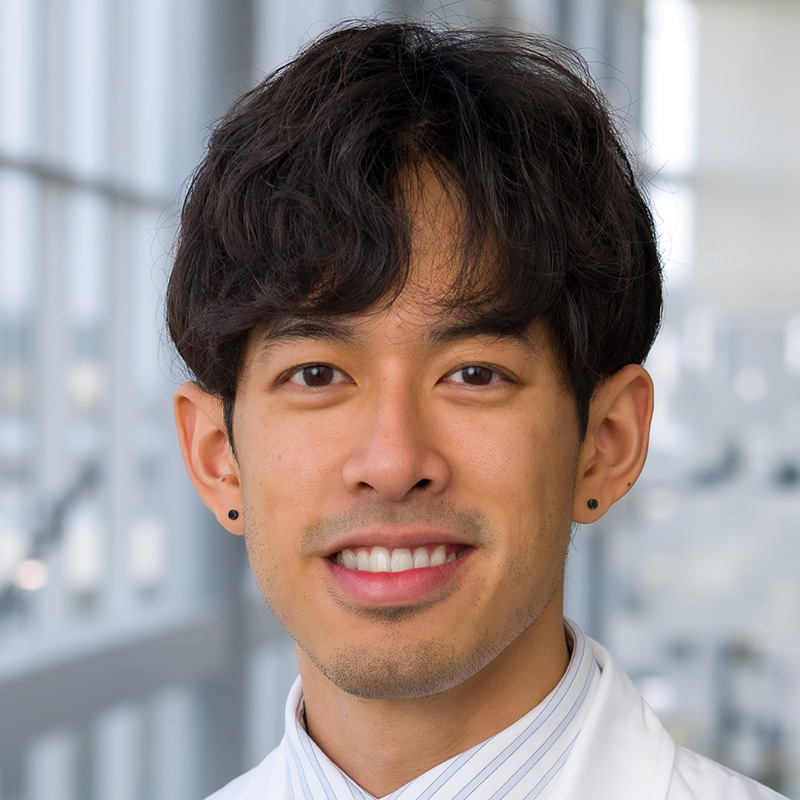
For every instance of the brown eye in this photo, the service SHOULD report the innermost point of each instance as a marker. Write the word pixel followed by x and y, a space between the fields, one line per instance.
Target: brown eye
pixel 476 375
pixel 315 375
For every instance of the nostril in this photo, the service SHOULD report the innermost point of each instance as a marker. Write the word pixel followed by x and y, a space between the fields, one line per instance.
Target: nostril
pixel 422 484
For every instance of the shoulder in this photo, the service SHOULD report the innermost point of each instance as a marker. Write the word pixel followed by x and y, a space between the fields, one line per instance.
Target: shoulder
pixel 252 785
pixel 694 776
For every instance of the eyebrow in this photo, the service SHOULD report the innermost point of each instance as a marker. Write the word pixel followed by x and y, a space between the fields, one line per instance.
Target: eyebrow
pixel 489 325
pixel 321 328
pixel 442 331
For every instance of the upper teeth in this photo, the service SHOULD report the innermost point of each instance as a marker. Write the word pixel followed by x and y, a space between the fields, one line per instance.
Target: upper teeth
pixel 381 559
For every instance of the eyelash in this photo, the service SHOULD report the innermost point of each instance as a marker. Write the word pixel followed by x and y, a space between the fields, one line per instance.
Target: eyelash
pixel 289 377
pixel 299 370
pixel 497 374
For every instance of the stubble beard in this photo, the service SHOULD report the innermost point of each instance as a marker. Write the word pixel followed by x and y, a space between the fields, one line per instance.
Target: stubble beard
pixel 396 667
pixel 418 670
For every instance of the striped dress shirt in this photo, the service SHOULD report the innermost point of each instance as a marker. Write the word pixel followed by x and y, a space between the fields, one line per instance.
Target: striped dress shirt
pixel 521 762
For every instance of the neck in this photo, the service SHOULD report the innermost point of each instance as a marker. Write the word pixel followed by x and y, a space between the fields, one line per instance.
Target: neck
pixel 384 744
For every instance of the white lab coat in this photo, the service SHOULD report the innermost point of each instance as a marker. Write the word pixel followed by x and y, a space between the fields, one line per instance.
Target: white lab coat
pixel 623 752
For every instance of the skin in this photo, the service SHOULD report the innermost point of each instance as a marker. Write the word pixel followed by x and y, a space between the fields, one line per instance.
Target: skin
pixel 406 431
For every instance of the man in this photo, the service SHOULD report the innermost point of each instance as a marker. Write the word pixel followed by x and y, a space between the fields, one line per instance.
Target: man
pixel 415 284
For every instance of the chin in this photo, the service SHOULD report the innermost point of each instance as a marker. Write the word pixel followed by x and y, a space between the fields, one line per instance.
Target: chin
pixel 402 673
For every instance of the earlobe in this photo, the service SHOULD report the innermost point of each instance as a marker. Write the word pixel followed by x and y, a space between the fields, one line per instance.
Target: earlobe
pixel 207 453
pixel 615 447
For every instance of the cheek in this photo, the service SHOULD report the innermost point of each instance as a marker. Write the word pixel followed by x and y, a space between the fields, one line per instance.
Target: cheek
pixel 528 455
pixel 288 470
pixel 289 462
pixel 524 475
pixel 274 518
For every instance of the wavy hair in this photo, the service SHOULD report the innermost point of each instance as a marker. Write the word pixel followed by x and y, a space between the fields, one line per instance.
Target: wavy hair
pixel 298 207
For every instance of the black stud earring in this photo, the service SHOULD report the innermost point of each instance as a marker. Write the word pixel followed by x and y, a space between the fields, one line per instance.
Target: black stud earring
pixel 234 514
pixel 593 504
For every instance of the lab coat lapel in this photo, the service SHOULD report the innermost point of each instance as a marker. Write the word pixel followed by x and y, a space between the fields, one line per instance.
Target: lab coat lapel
pixel 623 751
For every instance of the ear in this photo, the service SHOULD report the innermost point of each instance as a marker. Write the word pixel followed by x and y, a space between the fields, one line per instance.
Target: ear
pixel 207 453
pixel 615 447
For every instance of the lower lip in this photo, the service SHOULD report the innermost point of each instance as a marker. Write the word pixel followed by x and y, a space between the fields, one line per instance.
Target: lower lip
pixel 394 588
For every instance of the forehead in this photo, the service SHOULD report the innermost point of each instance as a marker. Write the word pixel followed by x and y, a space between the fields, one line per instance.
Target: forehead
pixel 439 239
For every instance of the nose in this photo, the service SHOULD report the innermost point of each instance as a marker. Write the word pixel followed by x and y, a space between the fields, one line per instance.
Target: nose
pixel 394 449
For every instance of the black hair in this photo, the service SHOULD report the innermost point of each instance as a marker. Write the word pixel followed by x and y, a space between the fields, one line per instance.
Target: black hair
pixel 298 207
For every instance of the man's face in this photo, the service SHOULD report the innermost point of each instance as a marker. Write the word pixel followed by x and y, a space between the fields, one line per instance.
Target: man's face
pixel 398 440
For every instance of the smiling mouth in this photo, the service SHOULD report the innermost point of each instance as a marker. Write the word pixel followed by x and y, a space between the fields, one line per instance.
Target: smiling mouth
pixel 400 559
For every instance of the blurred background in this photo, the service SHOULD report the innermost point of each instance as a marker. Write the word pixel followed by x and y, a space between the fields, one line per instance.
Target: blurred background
pixel 137 661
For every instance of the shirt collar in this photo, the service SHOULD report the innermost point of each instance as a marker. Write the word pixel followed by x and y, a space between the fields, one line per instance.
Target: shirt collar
pixel 520 761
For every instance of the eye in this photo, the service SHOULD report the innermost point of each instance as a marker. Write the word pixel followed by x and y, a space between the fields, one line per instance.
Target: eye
pixel 475 375
pixel 317 375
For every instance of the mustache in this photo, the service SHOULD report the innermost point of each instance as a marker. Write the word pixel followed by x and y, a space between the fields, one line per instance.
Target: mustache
pixel 471 525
